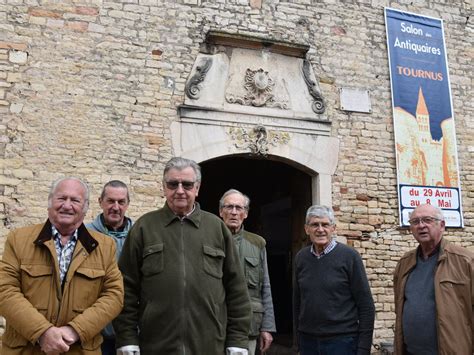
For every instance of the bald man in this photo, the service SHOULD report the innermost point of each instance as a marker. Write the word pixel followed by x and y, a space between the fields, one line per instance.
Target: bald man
pixel 434 297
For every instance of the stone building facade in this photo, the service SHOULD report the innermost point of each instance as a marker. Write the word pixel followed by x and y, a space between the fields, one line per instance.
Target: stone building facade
pixel 112 89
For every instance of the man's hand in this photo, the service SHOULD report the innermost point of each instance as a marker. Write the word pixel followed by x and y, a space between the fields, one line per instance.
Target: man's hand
pixel 265 341
pixel 52 342
pixel 129 350
pixel 70 336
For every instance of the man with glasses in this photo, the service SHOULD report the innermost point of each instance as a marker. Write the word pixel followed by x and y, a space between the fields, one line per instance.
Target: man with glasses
pixel 333 308
pixel 233 208
pixel 184 290
pixel 114 201
pixel 434 291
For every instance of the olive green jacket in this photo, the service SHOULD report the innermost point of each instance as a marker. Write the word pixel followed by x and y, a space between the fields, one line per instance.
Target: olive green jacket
pixel 184 290
pixel 253 259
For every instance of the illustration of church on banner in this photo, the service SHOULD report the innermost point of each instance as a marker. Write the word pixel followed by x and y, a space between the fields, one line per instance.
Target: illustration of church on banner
pixel 421 160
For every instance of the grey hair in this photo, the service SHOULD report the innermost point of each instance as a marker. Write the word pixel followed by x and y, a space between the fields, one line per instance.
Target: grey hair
pixel 439 213
pixel 234 191
pixel 115 183
pixel 55 184
pixel 180 163
pixel 320 211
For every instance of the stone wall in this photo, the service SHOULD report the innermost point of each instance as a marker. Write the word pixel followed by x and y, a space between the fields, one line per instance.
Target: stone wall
pixel 90 87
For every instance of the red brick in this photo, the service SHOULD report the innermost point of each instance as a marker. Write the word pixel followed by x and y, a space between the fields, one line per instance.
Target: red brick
pixel 84 10
pixel 362 197
pixel 39 12
pixel 13 45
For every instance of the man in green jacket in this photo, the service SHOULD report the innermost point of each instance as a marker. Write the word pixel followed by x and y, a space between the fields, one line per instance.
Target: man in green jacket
pixel 233 208
pixel 184 290
pixel 434 297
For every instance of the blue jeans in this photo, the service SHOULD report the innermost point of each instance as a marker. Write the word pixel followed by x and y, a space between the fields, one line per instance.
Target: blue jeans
pixel 334 346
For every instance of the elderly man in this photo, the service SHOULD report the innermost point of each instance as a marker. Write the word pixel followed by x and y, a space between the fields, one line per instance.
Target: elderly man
pixel 59 283
pixel 233 208
pixel 333 307
pixel 434 297
pixel 184 290
pixel 114 201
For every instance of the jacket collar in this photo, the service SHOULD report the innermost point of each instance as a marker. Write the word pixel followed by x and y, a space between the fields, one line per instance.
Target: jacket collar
pixel 412 254
pixel 83 236
pixel 194 217
pixel 443 245
pixel 98 224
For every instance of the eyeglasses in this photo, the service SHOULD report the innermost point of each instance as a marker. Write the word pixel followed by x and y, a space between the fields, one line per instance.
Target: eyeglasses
pixel 230 208
pixel 174 184
pixel 425 220
pixel 317 225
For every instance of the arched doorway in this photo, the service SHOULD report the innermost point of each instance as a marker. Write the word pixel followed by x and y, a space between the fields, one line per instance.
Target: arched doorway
pixel 280 195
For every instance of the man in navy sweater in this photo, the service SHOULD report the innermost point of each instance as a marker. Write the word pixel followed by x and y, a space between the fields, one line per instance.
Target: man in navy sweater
pixel 332 304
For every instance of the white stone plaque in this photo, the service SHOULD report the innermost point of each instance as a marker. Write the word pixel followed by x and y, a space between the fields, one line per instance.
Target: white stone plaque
pixel 357 100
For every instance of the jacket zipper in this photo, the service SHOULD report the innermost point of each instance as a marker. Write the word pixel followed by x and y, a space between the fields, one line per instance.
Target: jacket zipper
pixel 183 311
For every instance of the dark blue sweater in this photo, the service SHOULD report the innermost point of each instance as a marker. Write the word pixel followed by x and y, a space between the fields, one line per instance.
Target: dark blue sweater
pixel 332 297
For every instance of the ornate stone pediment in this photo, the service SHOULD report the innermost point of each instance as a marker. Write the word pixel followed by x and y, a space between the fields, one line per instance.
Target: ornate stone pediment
pixel 259 88
pixel 235 78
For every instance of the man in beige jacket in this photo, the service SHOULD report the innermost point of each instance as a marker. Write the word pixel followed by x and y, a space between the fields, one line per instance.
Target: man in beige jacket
pixel 434 295
pixel 59 283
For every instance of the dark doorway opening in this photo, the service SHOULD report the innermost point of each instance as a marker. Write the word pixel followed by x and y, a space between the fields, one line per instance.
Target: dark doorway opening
pixel 280 195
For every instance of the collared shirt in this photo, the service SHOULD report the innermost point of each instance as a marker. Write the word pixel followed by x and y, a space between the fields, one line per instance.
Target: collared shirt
pixel 187 214
pixel 64 253
pixel 332 244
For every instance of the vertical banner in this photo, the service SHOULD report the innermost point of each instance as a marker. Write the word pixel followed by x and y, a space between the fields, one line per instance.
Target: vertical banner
pixel 425 138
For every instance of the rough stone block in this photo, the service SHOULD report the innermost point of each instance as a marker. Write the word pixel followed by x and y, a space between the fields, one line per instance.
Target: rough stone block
pixel 18 57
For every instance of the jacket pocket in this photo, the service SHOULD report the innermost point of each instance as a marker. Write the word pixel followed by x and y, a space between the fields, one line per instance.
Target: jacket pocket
pixel 87 284
pixel 213 261
pixel 451 282
pixel 452 288
pixel 252 271
pixel 153 259
pixel 36 281
pixel 257 318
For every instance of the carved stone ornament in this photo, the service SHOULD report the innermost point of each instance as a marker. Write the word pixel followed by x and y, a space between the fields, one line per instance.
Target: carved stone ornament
pixel 257 139
pixel 259 86
pixel 318 105
pixel 193 86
